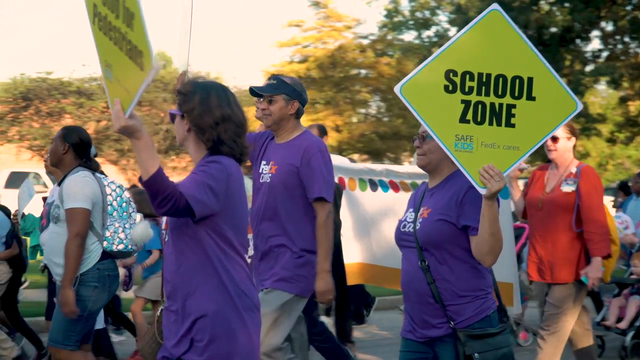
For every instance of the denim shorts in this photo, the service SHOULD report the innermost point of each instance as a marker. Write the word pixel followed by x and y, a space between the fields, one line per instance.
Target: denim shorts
pixel 94 288
pixel 444 347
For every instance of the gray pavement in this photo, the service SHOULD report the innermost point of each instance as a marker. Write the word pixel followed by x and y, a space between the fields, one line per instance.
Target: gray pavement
pixel 380 339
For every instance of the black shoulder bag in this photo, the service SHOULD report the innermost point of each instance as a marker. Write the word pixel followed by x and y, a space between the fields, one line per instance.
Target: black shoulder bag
pixel 490 344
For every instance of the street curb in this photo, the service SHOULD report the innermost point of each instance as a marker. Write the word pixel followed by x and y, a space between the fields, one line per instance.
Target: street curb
pixel 389 302
pixel 384 303
pixel 40 327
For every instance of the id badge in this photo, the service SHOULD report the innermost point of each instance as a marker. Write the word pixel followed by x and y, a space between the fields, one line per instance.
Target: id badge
pixel 569 185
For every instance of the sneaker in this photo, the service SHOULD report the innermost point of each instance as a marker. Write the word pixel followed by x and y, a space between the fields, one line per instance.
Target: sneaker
pixel 117 338
pixel 127 283
pixel 42 356
pixel 373 301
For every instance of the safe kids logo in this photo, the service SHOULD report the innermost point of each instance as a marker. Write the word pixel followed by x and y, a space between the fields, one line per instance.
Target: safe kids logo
pixel 464 143
pixel 266 170
pixel 408 219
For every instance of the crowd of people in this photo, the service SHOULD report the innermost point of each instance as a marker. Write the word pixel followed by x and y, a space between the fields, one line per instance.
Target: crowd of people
pixel 222 294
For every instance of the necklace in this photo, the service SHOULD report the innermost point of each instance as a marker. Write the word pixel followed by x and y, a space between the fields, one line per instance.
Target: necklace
pixel 546 177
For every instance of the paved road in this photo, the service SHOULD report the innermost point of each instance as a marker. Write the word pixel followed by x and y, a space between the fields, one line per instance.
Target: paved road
pixel 380 339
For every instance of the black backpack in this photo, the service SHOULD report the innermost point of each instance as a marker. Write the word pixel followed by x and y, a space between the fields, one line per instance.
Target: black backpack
pixel 19 262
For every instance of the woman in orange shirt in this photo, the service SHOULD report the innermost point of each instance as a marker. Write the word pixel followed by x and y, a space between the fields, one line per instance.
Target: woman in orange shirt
pixel 559 256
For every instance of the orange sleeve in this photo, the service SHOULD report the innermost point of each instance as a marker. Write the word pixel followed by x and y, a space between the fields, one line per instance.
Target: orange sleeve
pixel 591 211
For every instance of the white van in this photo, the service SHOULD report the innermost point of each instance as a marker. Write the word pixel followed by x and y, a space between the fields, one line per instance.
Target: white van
pixel 12 179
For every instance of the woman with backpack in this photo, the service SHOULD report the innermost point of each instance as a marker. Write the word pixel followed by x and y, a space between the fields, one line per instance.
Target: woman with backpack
pixel 567 262
pixel 18 263
pixel 87 276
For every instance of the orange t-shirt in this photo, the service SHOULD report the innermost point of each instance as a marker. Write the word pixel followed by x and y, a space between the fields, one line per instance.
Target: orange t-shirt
pixel 557 252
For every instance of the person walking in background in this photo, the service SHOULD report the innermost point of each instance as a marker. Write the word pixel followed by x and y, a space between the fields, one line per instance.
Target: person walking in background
pixel 87 276
pixel 624 192
pixel 29 226
pixel 342 307
pixel 559 255
pixel 212 309
pixel 14 264
pixel 149 258
pixel 291 217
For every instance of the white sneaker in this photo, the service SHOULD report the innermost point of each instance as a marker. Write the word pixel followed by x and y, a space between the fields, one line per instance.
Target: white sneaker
pixel 116 337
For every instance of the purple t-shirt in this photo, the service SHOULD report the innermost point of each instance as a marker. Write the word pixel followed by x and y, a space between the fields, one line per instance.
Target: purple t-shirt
pixel 212 310
pixel 287 178
pixel 449 215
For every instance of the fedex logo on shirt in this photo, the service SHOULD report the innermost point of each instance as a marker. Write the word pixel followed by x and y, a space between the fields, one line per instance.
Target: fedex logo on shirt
pixel 266 170
pixel 406 223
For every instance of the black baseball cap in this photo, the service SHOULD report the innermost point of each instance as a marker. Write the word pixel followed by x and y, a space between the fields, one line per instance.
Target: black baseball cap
pixel 282 85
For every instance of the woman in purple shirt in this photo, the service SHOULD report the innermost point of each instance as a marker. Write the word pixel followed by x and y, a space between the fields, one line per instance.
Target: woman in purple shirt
pixel 212 309
pixel 459 233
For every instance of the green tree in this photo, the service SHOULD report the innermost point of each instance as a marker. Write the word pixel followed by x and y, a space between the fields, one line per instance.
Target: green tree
pixel 349 78
pixel 34 108
pixel 565 34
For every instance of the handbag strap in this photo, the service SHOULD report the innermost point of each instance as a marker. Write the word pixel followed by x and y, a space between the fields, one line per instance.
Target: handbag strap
pixel 424 265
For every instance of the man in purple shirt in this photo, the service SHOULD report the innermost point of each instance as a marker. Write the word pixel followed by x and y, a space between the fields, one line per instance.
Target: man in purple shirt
pixel 291 217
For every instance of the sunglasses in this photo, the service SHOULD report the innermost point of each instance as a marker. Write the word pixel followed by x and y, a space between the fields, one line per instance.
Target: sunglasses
pixel 555 138
pixel 173 114
pixel 421 138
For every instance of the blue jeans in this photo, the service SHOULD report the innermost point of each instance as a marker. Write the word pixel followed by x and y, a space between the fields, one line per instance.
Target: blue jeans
pixel 444 347
pixel 93 289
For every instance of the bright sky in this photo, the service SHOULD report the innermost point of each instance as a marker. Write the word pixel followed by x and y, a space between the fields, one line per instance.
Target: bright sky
pixel 234 39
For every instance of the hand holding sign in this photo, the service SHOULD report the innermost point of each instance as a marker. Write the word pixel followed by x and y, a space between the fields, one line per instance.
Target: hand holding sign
pixel 128 126
pixel 494 181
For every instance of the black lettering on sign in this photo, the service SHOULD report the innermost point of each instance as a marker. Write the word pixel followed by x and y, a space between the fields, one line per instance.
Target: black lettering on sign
pixel 128 16
pixel 113 6
pixel 466 109
pixel 118 37
pixel 451 87
pixel 487 85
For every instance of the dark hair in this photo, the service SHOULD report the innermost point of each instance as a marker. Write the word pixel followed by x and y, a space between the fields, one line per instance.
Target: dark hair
pixel 572 130
pixel 142 201
pixel 80 143
pixel 297 84
pixel 321 129
pixel 623 187
pixel 216 117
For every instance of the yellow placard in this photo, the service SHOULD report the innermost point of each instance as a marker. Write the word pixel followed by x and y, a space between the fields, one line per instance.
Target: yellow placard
pixel 123 47
pixel 488 96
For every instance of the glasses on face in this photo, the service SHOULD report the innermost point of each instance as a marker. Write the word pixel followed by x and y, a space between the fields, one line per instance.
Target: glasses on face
pixel 269 100
pixel 421 138
pixel 173 114
pixel 555 138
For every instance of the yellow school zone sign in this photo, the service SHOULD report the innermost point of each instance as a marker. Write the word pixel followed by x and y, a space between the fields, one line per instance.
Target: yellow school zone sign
pixel 124 49
pixel 488 96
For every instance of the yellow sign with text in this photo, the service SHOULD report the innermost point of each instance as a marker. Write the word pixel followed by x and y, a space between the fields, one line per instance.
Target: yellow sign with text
pixel 123 47
pixel 488 96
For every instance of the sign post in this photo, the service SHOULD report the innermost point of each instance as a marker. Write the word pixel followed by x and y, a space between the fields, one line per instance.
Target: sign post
pixel 488 96
pixel 123 46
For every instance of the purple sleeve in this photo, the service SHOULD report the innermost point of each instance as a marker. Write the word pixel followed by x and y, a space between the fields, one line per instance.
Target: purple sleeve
pixel 205 187
pixel 197 196
pixel 166 198
pixel 316 172
pixel 469 209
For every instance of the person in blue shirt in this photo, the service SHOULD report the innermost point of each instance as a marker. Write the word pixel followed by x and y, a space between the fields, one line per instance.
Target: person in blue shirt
pixel 631 207
pixel 150 260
